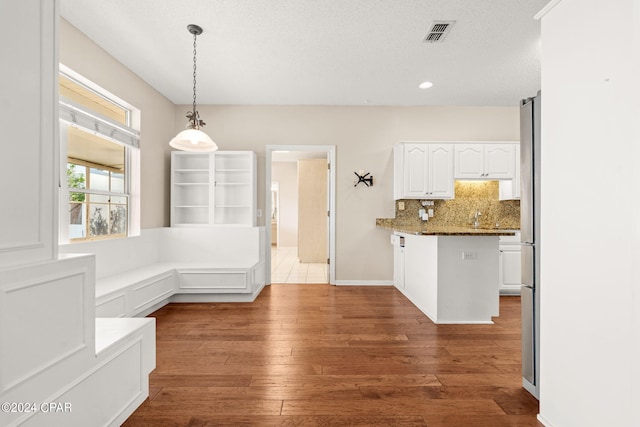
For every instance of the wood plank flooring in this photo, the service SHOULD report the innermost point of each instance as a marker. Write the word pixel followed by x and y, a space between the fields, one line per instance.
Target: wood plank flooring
pixel 321 355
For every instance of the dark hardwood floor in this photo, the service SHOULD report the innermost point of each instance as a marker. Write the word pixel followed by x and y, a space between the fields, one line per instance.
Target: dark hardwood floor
pixel 320 355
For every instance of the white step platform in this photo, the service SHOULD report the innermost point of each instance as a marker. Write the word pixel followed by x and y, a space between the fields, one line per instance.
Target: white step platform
pixel 59 365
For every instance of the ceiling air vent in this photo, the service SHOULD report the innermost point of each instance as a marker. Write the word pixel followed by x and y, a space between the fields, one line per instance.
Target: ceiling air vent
pixel 438 31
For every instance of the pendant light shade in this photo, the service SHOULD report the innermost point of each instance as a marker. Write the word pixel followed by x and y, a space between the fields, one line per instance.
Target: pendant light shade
pixel 192 138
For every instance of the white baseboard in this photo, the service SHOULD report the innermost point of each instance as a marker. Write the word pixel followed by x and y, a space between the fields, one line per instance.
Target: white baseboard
pixel 544 422
pixel 364 283
pixel 204 297
pixel 155 307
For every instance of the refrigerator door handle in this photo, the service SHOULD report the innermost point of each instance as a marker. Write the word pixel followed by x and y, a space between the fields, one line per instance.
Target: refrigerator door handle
pixel 527 255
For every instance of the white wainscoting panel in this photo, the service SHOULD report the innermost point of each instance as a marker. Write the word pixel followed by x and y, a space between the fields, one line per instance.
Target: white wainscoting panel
pixel 48 325
pixel 28 169
pixel 104 397
pixel 153 291
pixel 112 306
pixel 47 328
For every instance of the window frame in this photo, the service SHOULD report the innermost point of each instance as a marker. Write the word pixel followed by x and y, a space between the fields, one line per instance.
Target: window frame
pixel 127 135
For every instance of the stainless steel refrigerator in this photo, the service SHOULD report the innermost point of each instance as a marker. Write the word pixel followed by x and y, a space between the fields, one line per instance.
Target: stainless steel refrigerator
pixel 530 237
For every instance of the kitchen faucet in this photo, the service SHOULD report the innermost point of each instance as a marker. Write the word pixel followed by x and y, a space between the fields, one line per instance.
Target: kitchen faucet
pixel 476 219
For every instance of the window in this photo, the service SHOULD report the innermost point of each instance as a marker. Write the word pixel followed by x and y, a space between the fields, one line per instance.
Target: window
pixel 101 162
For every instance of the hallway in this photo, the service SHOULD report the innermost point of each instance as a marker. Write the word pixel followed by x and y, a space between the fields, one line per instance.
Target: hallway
pixel 286 268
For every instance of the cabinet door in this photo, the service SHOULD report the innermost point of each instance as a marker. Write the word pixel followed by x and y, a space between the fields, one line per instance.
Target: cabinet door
pixel 415 170
pixel 469 161
pixel 499 161
pixel 398 267
pixel 510 265
pixel 516 178
pixel 440 171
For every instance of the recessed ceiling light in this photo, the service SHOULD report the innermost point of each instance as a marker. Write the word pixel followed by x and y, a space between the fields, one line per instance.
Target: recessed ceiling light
pixel 425 85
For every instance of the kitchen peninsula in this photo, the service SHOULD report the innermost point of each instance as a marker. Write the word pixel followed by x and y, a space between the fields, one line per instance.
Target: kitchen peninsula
pixel 449 273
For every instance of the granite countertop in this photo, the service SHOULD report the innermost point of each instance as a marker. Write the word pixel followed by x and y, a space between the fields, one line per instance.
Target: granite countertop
pixel 427 230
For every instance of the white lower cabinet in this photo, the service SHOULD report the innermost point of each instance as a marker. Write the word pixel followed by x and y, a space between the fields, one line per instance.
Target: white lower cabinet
pixel 510 265
pixel 398 260
pixel 446 287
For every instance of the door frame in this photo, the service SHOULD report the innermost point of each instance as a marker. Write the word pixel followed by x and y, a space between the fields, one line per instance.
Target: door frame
pixel 331 231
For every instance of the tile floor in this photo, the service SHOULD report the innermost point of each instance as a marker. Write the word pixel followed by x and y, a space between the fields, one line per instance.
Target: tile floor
pixel 286 268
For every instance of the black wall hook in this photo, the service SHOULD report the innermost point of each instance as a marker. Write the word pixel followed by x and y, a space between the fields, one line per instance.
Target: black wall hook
pixel 363 178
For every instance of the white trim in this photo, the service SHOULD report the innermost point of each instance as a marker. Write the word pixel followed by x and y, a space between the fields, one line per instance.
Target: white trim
pixel 78 116
pixel 83 81
pixel 364 282
pixel 331 157
pixel 89 121
pixel 546 9
pixel 133 179
pixel 544 421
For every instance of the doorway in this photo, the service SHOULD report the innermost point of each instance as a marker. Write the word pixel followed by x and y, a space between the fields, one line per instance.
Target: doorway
pixel 300 195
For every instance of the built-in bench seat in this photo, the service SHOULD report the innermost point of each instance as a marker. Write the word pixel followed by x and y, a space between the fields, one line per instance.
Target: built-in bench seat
pixel 137 275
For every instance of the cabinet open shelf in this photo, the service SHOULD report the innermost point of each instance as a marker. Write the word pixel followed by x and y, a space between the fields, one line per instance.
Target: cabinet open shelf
pixel 186 184
pixel 213 188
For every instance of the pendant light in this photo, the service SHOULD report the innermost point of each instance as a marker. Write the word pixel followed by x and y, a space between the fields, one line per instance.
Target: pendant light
pixel 192 138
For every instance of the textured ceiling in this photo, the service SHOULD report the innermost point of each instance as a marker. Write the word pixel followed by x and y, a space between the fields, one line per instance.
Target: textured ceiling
pixel 322 52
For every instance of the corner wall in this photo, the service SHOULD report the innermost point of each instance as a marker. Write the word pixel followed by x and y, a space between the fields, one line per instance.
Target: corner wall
pixel 590 298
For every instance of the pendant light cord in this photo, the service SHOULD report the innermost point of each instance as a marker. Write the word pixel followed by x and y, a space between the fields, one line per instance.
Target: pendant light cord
pixel 195 113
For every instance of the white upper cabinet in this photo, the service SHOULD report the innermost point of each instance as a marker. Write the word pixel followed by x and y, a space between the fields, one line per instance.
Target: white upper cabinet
pixel 485 161
pixel 423 171
pixel 510 188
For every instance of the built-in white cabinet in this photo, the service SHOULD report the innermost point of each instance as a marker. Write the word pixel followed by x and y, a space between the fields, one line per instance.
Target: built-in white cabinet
pixel 485 161
pixel 510 265
pixel 423 171
pixel 213 188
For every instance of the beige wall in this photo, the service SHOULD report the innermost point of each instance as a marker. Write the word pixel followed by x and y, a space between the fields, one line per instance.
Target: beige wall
pixel 157 127
pixel 286 174
pixel 364 137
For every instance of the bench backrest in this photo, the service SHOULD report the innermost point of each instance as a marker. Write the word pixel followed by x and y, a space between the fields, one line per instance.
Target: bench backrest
pixel 210 244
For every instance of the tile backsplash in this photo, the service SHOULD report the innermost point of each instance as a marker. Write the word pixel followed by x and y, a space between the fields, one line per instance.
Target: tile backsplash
pixel 459 212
